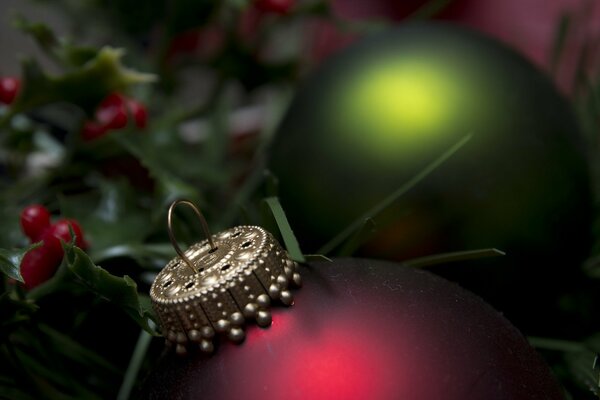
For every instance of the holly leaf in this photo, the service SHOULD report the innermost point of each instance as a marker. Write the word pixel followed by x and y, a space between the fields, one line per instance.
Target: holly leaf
pixel 10 261
pixel 41 33
pixel 120 291
pixel 85 86
pixel 60 50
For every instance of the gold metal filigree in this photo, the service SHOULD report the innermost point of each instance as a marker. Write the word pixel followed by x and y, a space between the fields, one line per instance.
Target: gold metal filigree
pixel 216 285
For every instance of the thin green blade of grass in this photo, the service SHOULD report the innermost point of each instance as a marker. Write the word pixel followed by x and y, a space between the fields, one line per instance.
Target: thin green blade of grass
pixel 558 43
pixel 291 243
pixel 453 257
pixel 135 363
pixel 317 258
pixel 358 223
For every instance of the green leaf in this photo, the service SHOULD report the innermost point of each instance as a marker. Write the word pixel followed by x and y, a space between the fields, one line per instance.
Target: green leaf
pixel 59 50
pixel 41 33
pixel 120 291
pixel 291 243
pixel 164 163
pixel 560 39
pixel 358 223
pixel 582 365
pixel 48 376
pixel 581 358
pixel 139 352
pixel 10 261
pixel 78 353
pixel 13 312
pixel 85 86
pixel 111 215
pixel 151 255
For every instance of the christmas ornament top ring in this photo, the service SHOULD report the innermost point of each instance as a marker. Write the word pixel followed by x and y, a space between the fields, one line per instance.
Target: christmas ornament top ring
pixel 219 283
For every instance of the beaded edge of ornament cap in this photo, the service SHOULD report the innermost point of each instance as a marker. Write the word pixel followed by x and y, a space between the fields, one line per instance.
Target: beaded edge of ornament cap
pixel 218 284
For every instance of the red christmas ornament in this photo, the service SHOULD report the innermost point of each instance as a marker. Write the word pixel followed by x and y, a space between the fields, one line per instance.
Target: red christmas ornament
pixel 364 329
pixel 359 329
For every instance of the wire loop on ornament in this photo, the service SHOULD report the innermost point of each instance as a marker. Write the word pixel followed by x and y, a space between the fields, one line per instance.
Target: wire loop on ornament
pixel 172 235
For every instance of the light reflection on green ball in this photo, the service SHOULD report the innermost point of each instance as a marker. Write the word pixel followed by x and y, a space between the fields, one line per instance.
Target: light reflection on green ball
pixel 395 95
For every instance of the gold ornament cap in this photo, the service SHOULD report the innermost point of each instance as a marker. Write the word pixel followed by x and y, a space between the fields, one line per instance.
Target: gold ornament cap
pixel 218 284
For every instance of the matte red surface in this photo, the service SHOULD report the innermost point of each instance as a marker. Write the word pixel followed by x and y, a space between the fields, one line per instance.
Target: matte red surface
pixel 364 329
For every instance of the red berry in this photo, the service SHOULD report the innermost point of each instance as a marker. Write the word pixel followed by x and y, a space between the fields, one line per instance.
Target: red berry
pixel 9 88
pixel 60 230
pixel 92 130
pixel 34 221
pixel 41 263
pixel 281 7
pixel 112 112
pixel 138 111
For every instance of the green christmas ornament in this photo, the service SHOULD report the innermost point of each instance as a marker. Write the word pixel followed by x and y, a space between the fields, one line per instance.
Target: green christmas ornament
pixel 376 115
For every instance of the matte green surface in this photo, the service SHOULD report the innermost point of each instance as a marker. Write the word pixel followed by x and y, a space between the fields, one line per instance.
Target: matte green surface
pixel 374 116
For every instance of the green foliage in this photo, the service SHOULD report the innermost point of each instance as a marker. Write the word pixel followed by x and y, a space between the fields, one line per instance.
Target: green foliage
pixel 53 339
pixel 10 261
pixel 122 292
pixel 118 186
pixel 99 76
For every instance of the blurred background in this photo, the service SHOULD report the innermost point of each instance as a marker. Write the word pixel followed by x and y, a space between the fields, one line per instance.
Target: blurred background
pixel 457 135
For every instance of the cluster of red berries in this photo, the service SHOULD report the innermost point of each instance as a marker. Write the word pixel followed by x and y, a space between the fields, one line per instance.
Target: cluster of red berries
pixel 115 112
pixel 41 263
pixel 9 88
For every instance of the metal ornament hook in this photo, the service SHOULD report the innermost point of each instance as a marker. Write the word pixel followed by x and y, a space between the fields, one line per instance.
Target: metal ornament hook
pixel 172 235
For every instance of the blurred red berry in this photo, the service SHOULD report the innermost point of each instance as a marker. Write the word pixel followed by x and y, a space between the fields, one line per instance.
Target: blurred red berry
pixel 281 7
pixel 9 88
pixel 112 112
pixel 60 230
pixel 92 130
pixel 138 112
pixel 35 219
pixel 41 263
